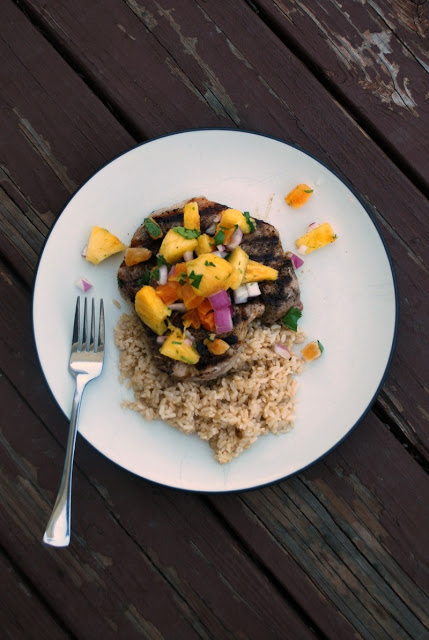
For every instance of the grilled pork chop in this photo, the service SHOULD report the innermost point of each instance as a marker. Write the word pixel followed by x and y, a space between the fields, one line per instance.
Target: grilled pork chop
pixel 277 297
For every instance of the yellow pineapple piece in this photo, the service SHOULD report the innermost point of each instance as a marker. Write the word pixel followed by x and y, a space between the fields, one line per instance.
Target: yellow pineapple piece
pixel 174 245
pixel 207 274
pixel 256 272
pixel 101 245
pixel 175 347
pixel 316 238
pixel 206 244
pixel 151 309
pixel 239 260
pixel 135 255
pixel 191 216
pixel 299 196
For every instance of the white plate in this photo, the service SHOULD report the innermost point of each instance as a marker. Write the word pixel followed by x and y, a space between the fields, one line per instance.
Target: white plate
pixel 347 288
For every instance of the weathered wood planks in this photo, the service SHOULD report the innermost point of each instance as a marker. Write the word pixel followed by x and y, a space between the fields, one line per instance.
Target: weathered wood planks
pixel 375 58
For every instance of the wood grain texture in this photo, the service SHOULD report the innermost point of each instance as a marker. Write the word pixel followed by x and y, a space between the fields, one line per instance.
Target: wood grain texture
pixel 257 88
pixel 374 55
pixel 22 614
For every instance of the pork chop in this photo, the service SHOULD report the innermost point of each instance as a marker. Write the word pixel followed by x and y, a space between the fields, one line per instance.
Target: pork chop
pixel 277 297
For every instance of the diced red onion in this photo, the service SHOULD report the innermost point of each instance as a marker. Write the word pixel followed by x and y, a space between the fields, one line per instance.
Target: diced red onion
pixel 220 248
pixel 220 300
pixel 187 342
pixel 223 320
pixel 281 350
pixel 302 249
pixel 219 254
pixel 217 217
pixel 163 274
pixel 299 306
pixel 188 256
pixel 189 335
pixel 236 238
pixel 253 289
pixel 172 270
pixel 211 230
pixel 177 306
pixel 296 260
pixel 313 225
pixel 83 284
pixel 161 339
pixel 84 251
pixel 241 294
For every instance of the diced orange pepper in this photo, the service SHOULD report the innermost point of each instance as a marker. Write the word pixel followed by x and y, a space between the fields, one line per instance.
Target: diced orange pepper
pixel 179 272
pixel 217 346
pixel 299 196
pixel 189 297
pixel 191 319
pixel 206 313
pixel 169 292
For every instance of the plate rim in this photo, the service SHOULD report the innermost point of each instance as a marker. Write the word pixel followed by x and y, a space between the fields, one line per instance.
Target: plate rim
pixel 367 208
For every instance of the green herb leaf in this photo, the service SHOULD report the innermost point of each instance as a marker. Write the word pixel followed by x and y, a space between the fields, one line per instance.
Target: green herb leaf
pixel 308 190
pixel 160 260
pixel 195 279
pixel 189 234
pixel 186 360
pixel 219 237
pixel 175 342
pixel 182 280
pixel 145 279
pixel 290 320
pixel 334 237
pixel 321 347
pixel 249 221
pixel 153 229
pixel 209 264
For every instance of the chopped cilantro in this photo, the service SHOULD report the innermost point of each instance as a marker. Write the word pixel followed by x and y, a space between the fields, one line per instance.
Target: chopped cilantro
pixel 145 279
pixel 249 221
pixel 219 237
pixel 209 264
pixel 182 279
pixel 196 279
pixel 321 347
pixel 290 320
pixel 175 342
pixel 153 229
pixel 160 260
pixel 334 237
pixel 186 360
pixel 189 234
pixel 308 190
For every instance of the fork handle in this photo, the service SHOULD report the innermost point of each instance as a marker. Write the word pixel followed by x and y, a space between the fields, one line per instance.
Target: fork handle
pixel 58 530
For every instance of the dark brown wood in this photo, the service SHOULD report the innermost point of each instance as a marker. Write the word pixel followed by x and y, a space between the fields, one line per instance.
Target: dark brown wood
pixel 257 88
pixel 377 60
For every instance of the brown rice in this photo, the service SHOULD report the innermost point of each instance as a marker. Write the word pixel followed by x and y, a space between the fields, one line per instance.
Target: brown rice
pixel 231 412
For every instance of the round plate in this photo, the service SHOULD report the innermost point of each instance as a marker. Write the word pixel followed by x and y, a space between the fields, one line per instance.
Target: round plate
pixel 348 292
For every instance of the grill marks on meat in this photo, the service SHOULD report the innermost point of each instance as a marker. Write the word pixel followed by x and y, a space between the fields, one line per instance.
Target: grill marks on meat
pixel 277 297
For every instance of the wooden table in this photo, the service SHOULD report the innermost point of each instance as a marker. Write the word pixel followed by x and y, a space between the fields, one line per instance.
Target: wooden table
pixel 338 551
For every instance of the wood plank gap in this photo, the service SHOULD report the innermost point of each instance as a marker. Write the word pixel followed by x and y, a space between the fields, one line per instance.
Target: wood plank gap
pixel 93 86
pixel 36 594
pixel 261 566
pixel 355 113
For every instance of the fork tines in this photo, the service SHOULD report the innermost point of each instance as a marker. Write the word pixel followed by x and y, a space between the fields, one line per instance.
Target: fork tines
pixel 80 333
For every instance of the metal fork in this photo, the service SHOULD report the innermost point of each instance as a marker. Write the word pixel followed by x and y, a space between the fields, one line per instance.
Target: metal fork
pixel 86 363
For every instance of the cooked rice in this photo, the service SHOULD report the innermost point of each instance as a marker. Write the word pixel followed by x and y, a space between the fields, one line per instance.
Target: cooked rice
pixel 256 397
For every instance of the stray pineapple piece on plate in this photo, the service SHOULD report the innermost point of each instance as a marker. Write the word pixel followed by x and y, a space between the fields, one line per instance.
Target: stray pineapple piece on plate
pixel 191 216
pixel 177 347
pixel 299 195
pixel 312 351
pixel 101 245
pixel 208 274
pixel 151 309
pixel 256 272
pixel 135 255
pixel 316 238
pixel 177 242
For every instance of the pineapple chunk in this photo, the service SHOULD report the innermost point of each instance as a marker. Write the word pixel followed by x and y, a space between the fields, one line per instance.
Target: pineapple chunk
pixel 239 260
pixel 175 245
pixel 230 220
pixel 207 274
pixel 206 244
pixel 135 255
pixel 299 196
pixel 255 272
pixel 312 351
pixel 174 347
pixel 316 238
pixel 101 245
pixel 191 216
pixel 151 309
